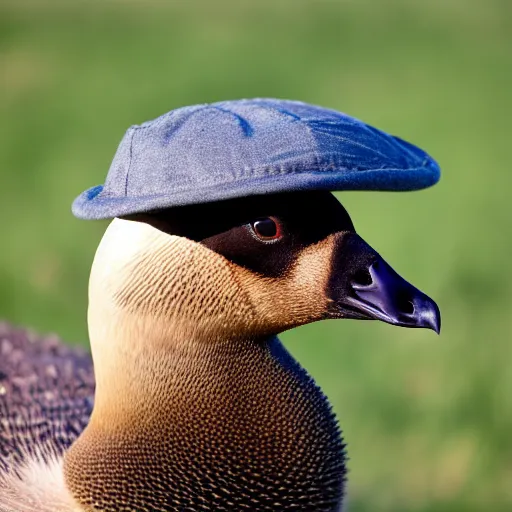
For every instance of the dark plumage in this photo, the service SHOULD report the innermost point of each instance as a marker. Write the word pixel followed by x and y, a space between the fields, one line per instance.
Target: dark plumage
pixel 46 394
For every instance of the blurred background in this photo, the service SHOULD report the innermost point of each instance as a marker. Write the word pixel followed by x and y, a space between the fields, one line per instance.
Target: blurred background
pixel 428 419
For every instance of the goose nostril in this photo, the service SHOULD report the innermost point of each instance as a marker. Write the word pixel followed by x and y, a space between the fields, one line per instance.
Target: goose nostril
pixel 405 304
pixel 362 277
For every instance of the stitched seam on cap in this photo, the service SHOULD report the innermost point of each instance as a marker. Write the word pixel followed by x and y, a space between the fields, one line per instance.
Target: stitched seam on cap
pixel 134 129
pixel 361 174
pixel 310 171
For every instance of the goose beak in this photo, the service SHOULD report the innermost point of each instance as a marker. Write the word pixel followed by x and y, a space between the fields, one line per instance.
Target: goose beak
pixel 371 289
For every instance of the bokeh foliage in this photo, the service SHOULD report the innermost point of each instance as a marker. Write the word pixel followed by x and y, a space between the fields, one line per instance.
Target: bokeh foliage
pixel 428 420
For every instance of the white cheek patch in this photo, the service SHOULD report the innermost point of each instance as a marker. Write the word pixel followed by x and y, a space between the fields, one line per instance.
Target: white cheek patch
pixel 36 486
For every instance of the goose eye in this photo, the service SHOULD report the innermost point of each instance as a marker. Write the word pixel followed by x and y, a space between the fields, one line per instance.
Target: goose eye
pixel 267 229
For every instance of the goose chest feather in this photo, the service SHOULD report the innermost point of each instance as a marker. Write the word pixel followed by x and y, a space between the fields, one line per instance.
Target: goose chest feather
pixel 198 406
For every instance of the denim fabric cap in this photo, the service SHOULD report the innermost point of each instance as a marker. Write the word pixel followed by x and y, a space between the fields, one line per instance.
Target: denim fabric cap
pixel 212 152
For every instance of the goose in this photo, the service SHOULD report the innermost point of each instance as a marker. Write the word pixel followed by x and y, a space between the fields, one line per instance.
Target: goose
pixel 225 233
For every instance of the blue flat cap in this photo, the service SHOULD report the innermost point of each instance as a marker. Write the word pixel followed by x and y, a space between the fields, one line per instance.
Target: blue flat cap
pixel 229 149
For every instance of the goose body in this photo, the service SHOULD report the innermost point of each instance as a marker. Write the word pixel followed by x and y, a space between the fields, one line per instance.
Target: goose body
pixel 193 403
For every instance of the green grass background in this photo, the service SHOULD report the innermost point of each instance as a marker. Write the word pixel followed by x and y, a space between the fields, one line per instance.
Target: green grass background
pixel 428 419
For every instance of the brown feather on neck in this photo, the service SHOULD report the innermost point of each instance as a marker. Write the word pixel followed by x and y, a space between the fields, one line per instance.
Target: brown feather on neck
pixel 190 385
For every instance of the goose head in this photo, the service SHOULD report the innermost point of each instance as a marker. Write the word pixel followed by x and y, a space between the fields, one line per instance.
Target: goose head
pixel 198 406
